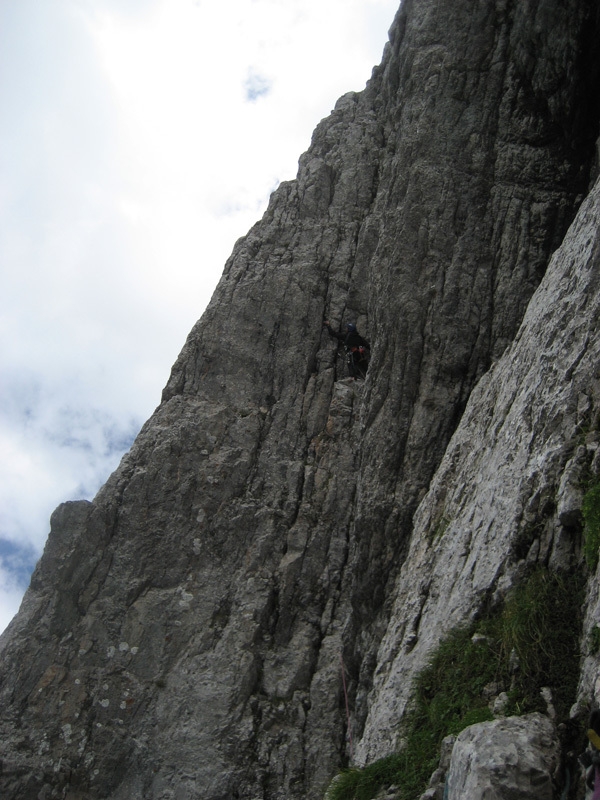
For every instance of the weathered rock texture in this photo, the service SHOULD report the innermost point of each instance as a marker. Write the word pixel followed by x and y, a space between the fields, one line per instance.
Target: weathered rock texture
pixel 183 634
pixel 512 758
pixel 530 423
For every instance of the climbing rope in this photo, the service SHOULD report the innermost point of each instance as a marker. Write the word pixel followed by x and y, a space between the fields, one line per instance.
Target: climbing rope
pixel 347 707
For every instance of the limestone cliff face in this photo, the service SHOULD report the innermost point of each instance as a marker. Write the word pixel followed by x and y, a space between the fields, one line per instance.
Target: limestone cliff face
pixel 183 634
pixel 514 464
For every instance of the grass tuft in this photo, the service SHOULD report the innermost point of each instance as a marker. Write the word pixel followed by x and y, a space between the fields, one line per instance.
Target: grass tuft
pixel 590 510
pixel 541 622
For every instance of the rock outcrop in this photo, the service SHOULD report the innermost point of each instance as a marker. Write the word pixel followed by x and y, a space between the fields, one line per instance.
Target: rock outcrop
pixel 186 633
pixel 515 757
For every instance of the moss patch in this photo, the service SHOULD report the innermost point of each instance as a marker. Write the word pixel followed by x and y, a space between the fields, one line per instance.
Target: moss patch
pixel 594 641
pixel 540 623
pixel 590 510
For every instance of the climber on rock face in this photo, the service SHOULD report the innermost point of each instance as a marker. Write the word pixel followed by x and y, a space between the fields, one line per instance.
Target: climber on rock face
pixel 357 349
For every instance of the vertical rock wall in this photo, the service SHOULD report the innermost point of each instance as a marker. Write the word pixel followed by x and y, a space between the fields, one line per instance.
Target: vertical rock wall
pixel 530 428
pixel 182 635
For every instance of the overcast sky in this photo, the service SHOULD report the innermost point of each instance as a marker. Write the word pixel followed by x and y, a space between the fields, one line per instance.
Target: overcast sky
pixel 138 140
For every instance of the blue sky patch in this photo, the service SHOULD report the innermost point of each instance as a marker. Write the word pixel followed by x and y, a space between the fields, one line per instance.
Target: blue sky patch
pixel 18 560
pixel 256 86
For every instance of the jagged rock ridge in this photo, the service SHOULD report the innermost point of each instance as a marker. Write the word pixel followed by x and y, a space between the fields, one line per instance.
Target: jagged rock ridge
pixel 182 635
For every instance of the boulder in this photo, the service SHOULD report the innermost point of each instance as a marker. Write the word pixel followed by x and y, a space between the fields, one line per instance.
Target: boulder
pixel 508 759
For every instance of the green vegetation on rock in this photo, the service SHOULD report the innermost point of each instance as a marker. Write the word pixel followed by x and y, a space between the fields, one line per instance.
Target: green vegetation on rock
pixel 591 525
pixel 530 643
pixel 594 641
pixel 541 622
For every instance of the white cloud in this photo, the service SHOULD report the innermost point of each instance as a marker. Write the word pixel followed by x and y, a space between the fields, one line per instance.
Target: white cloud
pixel 138 140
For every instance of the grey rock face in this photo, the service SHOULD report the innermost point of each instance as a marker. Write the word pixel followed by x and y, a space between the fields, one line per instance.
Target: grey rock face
pixel 511 758
pixel 509 459
pixel 184 634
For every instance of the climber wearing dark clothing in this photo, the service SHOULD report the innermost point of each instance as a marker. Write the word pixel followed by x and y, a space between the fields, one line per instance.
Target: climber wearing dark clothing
pixel 357 349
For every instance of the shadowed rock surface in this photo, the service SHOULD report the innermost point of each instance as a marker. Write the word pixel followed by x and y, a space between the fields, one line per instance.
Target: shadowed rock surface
pixel 183 633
